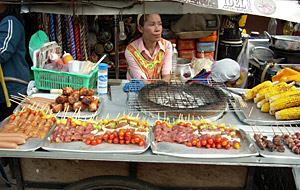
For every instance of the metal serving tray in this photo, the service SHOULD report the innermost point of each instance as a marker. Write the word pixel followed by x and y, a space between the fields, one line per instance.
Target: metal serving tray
pixel 257 117
pixel 31 144
pixel 83 114
pixel 181 150
pixel 287 154
pixel 100 148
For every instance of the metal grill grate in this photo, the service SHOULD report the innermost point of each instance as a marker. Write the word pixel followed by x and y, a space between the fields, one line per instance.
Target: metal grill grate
pixel 196 99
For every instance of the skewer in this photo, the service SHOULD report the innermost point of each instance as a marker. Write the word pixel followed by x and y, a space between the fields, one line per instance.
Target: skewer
pixel 188 117
pixel 97 118
pixel 118 115
pixel 57 113
pixel 17 97
pixel 297 127
pixel 280 130
pixel 138 115
pixel 22 95
pixel 157 115
pixel 165 116
pixel 15 101
pixel 107 116
pixel 193 117
pixel 259 130
pixel 292 128
pixel 273 130
pixel 287 129
pixel 250 112
pixel 253 129
pixel 74 113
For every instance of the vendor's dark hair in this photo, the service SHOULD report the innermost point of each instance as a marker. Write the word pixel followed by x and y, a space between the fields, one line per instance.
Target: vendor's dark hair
pixel 143 19
pixel 12 10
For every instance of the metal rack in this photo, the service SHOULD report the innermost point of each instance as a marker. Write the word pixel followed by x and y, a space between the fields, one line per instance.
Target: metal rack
pixel 205 99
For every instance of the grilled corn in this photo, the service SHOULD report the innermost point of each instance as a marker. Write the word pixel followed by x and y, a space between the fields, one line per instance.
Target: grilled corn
pixel 290 92
pixel 289 113
pixel 265 107
pixel 250 94
pixel 284 88
pixel 260 103
pixel 285 102
pixel 262 93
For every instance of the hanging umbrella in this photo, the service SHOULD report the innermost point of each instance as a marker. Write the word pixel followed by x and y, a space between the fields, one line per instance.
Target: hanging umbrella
pixel 37 41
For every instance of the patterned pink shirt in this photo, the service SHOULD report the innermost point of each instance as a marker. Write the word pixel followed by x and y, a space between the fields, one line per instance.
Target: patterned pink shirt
pixel 134 68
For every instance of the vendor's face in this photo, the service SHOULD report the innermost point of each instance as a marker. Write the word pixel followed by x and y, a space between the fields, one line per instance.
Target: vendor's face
pixel 152 28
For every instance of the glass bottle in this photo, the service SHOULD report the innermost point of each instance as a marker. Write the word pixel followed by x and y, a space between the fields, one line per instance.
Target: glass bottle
pixel 272 26
pixel 174 60
pixel 288 28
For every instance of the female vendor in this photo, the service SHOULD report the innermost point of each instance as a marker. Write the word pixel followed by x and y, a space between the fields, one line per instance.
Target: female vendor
pixel 150 56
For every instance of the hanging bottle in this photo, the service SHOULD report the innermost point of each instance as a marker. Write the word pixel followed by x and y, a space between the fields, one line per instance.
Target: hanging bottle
pixel 174 60
pixel 288 28
pixel 272 26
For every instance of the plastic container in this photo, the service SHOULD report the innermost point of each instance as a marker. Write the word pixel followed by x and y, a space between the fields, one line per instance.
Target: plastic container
pixel 102 79
pixel 205 46
pixel 207 55
pixel 47 79
pixel 186 44
pixel 67 57
pixel 187 54
pixel 174 60
pixel 210 38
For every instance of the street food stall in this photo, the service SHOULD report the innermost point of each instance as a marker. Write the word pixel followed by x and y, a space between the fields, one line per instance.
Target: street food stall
pixel 155 135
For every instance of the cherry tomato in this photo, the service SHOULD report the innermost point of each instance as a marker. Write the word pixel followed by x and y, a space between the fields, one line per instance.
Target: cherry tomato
pixel 187 124
pixel 128 133
pixel 53 119
pixel 33 112
pixel 224 142
pixel 116 140
pixel 218 139
pixel 88 141
pixel 142 142
pixel 210 140
pixel 189 144
pixel 40 114
pixel 157 123
pixel 112 136
pixel 228 145
pixel 127 141
pixel 127 138
pixel 109 141
pixel 213 145
pixel 121 137
pixel 137 139
pixel 99 140
pixel 203 142
pixel 105 136
pixel 181 123
pixel 236 145
pixel 198 145
pixel 12 117
pixel 122 133
pixel 194 142
pixel 122 141
pixel 28 110
pixel 219 146
pixel 133 141
pixel 94 142
pixel 164 123
pixel 207 145
pixel 69 120
pixel 19 114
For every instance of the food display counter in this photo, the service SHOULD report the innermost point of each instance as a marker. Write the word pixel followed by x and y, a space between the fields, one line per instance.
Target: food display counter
pixel 36 167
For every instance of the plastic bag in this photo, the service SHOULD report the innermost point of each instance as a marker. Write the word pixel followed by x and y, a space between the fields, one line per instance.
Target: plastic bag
pixel 57 67
pixel 199 64
pixel 244 64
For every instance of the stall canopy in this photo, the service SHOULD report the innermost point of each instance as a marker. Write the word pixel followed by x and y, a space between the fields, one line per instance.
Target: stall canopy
pixel 280 9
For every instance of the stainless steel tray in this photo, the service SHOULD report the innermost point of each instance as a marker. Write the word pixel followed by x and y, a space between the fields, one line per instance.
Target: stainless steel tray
pixel 83 114
pixel 181 150
pixel 257 117
pixel 31 144
pixel 288 154
pixel 100 148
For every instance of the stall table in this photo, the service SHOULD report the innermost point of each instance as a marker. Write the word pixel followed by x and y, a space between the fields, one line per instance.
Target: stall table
pixel 54 170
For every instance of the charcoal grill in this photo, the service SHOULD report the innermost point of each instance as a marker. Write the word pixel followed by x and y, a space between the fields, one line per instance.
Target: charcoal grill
pixel 175 98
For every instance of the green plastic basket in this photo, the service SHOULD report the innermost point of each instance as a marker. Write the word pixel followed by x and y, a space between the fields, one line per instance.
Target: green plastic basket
pixel 47 79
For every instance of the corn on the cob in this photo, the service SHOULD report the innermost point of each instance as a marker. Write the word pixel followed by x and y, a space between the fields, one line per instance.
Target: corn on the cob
pixel 265 107
pixel 286 102
pixel 260 103
pixel 284 88
pixel 289 113
pixel 250 94
pixel 290 92
pixel 262 93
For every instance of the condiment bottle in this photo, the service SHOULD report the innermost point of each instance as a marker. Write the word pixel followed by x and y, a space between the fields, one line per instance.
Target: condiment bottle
pixel 272 26
pixel 102 79
pixel 54 58
pixel 67 57
pixel 174 60
pixel 288 28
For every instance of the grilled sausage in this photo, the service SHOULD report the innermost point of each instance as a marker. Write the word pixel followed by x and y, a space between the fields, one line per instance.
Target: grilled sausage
pixel 8 145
